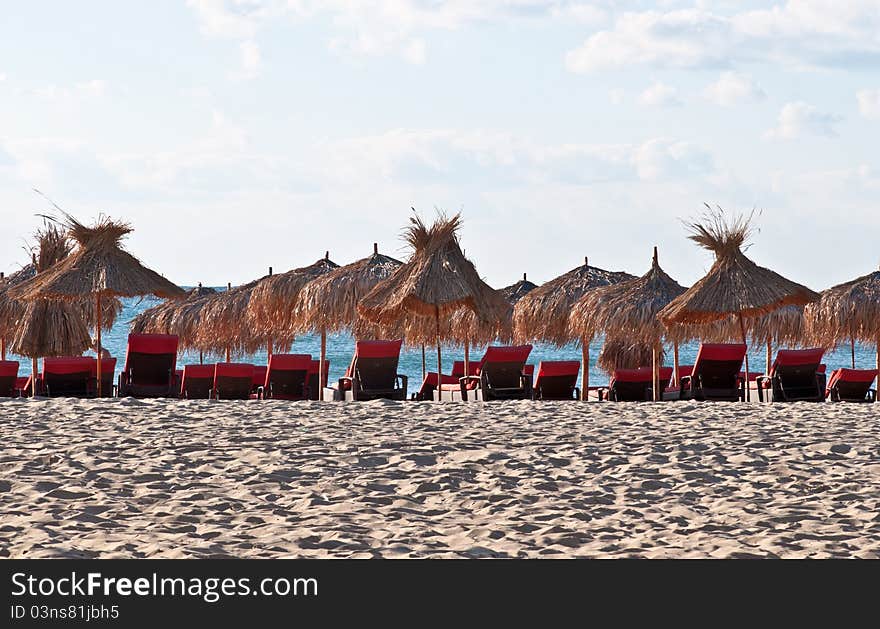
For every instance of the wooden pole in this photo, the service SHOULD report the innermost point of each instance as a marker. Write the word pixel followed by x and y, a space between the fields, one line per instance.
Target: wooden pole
pixel 424 364
pixel 585 374
pixel 467 357
pixel 3 348
pixel 675 364
pixel 878 366
pixel 98 344
pixel 269 342
pixel 228 352
pixel 852 347
pixel 769 357
pixel 321 363
pixel 742 328
pixel 655 372
pixel 34 369
pixel 439 358
pixel 201 357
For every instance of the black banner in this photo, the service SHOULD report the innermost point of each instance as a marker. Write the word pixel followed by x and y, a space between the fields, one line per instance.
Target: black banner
pixel 127 593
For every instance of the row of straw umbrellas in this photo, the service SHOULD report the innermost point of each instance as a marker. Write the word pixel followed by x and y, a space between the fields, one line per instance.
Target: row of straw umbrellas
pixel 435 297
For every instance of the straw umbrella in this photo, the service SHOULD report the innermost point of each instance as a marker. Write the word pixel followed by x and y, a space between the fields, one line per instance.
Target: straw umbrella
pixel 181 318
pixel 543 313
pixel 329 302
pixel 629 310
pixel 625 353
pixel 848 312
pixel 432 285
pixel 11 309
pixel 734 286
pixel 100 269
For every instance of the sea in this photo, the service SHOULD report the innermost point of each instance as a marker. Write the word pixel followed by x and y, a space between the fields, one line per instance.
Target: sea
pixel 341 346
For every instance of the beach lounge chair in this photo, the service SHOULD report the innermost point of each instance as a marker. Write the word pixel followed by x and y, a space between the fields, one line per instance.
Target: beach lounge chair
pixel 22 386
pixel 557 380
pixel 502 377
pixel 715 375
pixel 232 381
pixel 372 374
pixel 633 385
pixel 852 385
pixel 287 377
pixel 794 376
pixel 108 371
pixel 197 382
pixel 8 377
pixel 69 376
pixel 315 386
pixel 150 362
pixel 429 385
pixel 259 379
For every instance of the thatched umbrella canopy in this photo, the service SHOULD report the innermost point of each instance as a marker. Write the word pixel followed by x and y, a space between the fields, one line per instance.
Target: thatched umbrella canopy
pixel 98 268
pixel 270 308
pixel 625 353
pixel 734 286
pixel 11 309
pixel 628 310
pixel 329 302
pixel 847 312
pixel 177 317
pixel 433 284
pixel 543 313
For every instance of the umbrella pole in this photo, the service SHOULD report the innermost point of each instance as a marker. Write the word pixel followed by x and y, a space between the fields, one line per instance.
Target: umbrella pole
pixel 439 360
pixel 852 347
pixel 742 328
pixel 228 356
pixel 675 363
pixel 201 358
pixel 98 344
pixel 467 357
pixel 34 369
pixel 424 364
pixel 655 373
pixel 321 364
pixel 3 348
pixel 585 375
pixel 769 357
pixel 268 349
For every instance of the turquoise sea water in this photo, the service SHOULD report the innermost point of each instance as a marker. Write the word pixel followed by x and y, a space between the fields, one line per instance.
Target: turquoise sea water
pixel 341 346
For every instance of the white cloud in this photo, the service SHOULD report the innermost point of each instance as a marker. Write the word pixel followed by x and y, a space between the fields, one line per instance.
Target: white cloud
pixel 798 119
pixel 799 33
pixel 251 60
pixel 616 96
pixel 869 103
pixel 733 88
pixel 2 76
pixel 659 95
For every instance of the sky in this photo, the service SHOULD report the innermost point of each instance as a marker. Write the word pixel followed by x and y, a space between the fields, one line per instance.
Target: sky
pixel 235 135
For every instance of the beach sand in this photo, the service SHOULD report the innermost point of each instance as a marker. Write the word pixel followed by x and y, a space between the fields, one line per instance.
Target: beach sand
pixel 130 478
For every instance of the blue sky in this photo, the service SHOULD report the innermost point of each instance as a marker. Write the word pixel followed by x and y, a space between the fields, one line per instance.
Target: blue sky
pixel 236 135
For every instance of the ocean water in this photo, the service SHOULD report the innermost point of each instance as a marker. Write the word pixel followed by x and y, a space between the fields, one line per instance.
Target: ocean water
pixel 341 346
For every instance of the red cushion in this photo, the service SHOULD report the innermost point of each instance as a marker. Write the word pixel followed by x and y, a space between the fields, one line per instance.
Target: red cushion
pixel 852 375
pixel 315 365
pixel 685 370
pixel 68 364
pixel 377 349
pixel 108 365
pixel 794 357
pixel 259 375
pixel 233 370
pixel 290 362
pixel 548 368
pixel 507 354
pixel 529 369
pixel 8 368
pixel 198 371
pixel 22 383
pixel 640 374
pixel 720 352
pixel 152 343
pixel 458 368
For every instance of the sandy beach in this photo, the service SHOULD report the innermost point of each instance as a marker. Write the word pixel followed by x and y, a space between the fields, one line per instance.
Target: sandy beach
pixel 135 478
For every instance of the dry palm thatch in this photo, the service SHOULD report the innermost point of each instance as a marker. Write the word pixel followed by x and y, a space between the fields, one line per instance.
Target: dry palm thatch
pixel 432 285
pixel 98 267
pixel 56 328
pixel 223 326
pixel 624 353
pixel 329 303
pixel 626 309
pixel 734 284
pixel 543 313
pixel 436 281
pixel 270 308
pixel 176 317
pixel 11 309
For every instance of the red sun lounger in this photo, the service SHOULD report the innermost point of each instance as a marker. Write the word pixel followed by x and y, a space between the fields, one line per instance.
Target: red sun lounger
pixel 429 385
pixel 794 376
pixel 715 375
pixel 232 381
pixel 372 374
pixel 8 377
pixel 287 377
pixel 557 380
pixel 68 377
pixel 150 362
pixel 502 377
pixel 108 370
pixel 197 382
pixel 633 385
pixel 852 385
pixel 259 379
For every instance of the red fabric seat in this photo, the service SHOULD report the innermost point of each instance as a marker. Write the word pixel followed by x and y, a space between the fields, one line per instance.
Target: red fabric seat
pixel 150 366
pixel 287 376
pixel 8 376
pixel 197 381
pixel 373 368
